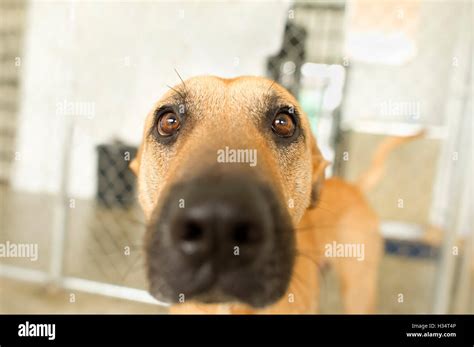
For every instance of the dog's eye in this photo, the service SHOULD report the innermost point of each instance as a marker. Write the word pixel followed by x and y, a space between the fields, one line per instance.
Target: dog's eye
pixel 168 124
pixel 283 125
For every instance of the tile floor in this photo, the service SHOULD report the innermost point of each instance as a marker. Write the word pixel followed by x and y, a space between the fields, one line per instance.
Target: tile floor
pixel 95 249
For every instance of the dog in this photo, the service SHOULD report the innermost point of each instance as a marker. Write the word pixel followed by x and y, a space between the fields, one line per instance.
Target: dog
pixel 226 234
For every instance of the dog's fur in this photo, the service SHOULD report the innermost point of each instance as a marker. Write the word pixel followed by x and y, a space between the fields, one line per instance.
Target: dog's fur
pixel 322 211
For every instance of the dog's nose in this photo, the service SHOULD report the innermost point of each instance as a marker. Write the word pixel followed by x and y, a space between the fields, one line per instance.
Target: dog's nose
pixel 218 228
pixel 226 223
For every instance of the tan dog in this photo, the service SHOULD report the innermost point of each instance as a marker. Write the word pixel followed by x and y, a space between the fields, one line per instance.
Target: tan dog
pixel 231 183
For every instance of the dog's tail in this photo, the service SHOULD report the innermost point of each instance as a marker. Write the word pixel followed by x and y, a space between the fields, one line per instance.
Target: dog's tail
pixel 368 179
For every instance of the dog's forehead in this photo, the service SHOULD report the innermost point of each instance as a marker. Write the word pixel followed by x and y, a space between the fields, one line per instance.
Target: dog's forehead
pixel 212 90
pixel 247 84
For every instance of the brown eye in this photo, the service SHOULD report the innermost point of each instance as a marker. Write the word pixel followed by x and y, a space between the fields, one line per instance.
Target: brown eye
pixel 283 125
pixel 168 124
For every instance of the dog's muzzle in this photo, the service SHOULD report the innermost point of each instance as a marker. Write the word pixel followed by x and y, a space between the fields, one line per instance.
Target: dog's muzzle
pixel 220 239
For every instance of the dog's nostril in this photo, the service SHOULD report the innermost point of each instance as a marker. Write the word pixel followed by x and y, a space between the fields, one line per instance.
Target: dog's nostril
pixel 243 233
pixel 192 238
pixel 192 232
pixel 240 233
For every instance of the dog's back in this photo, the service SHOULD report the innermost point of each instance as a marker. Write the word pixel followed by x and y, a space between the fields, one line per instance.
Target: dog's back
pixel 346 230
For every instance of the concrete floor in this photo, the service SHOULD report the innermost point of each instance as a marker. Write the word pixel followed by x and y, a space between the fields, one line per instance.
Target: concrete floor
pixel 412 278
pixel 95 249
pixel 23 297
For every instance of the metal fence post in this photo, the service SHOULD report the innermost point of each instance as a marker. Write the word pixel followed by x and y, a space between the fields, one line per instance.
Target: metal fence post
pixel 58 237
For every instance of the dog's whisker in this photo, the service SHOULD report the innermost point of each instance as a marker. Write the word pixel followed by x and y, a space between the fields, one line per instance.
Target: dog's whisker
pixel 317 227
pixel 298 285
pixel 324 209
pixel 177 91
pixel 319 269
pixel 269 88
pixel 325 203
pixel 313 228
pixel 311 250
pixel 312 260
pixel 182 81
pixel 309 258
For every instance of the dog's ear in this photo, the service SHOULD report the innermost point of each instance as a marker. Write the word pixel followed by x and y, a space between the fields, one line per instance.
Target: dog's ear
pixel 319 166
pixel 135 163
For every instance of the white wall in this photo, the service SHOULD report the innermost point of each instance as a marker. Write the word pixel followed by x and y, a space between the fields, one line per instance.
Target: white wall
pixel 117 58
pixel 420 83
